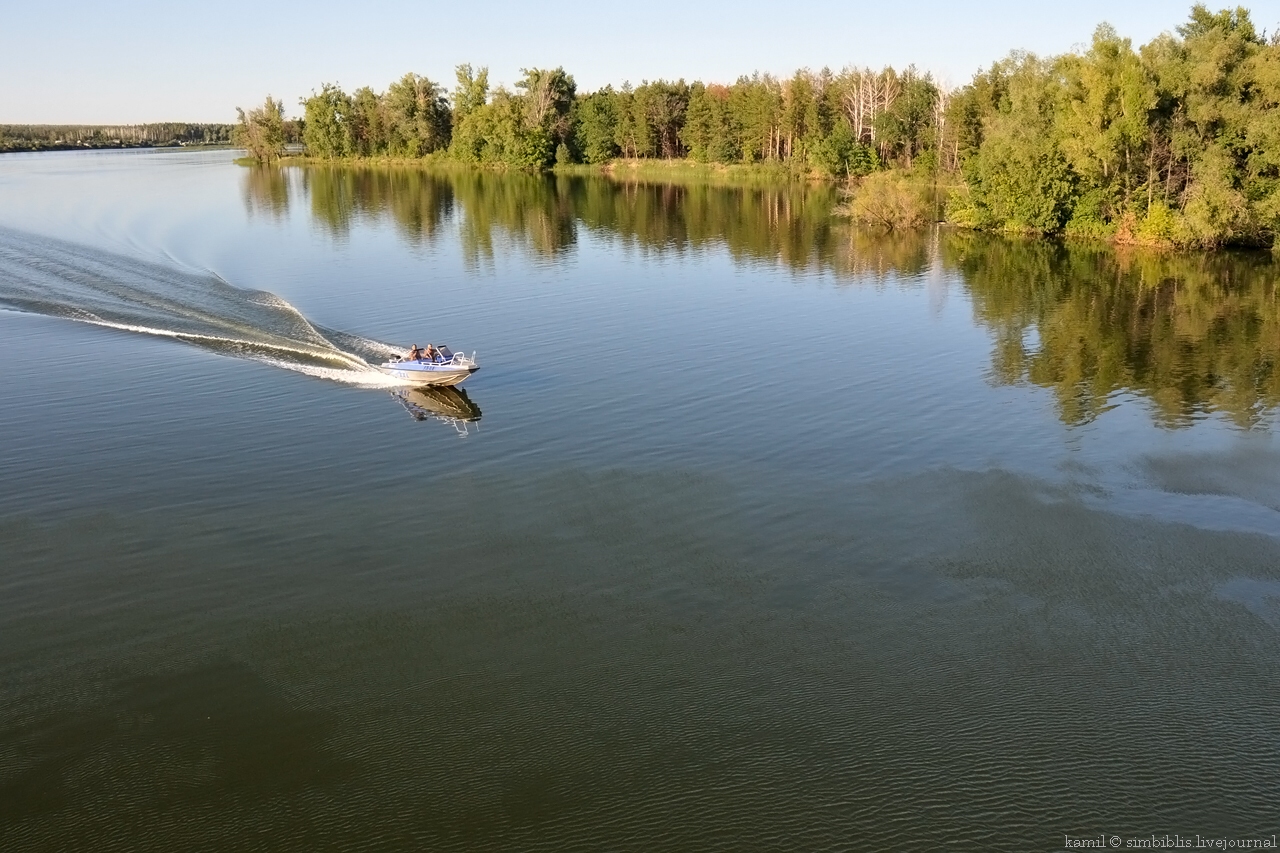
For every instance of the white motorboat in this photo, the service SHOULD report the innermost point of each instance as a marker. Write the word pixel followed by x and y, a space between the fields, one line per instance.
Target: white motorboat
pixel 443 367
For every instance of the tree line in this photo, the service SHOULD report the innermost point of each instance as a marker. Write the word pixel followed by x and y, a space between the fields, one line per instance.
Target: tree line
pixel 1177 141
pixel 840 124
pixel 58 137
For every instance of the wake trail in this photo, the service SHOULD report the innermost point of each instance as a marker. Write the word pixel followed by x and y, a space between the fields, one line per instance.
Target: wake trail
pixel 55 278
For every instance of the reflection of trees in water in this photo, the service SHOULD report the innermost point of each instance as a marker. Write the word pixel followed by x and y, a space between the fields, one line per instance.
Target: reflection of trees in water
pixel 266 191
pixel 1192 333
pixel 861 254
pixel 525 209
pixel 789 224
pixel 417 202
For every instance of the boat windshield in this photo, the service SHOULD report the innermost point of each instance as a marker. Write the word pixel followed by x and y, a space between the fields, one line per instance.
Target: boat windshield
pixel 445 353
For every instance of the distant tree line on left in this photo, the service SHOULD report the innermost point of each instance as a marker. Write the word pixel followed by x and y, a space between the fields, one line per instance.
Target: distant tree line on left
pixel 64 137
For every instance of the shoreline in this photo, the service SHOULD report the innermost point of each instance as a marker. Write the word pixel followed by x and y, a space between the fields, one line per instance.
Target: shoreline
pixel 38 149
pixel 660 171
pixel 683 172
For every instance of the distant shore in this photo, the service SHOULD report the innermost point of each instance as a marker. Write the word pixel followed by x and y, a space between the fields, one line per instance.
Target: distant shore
pixel 91 137
pixel 108 146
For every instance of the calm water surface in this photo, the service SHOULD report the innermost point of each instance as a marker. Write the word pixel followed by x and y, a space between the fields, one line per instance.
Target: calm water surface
pixel 753 532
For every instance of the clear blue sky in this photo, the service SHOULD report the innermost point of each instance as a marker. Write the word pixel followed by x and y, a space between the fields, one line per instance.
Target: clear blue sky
pixel 146 60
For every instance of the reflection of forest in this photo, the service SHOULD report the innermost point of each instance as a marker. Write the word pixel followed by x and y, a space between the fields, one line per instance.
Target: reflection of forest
pixel 266 190
pixel 789 224
pixel 1192 333
pixel 418 202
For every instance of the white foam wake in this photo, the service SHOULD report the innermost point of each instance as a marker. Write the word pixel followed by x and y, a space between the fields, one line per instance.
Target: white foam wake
pixel 55 278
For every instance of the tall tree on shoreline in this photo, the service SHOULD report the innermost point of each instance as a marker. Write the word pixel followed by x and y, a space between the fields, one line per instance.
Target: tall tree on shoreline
pixel 471 93
pixel 261 131
pixel 368 123
pixel 328 123
pixel 418 117
pixel 548 98
pixel 596 121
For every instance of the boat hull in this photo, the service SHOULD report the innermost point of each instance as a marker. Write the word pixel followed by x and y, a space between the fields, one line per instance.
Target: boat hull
pixel 443 374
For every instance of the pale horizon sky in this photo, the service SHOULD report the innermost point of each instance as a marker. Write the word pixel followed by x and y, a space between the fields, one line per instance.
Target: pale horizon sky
pixel 82 62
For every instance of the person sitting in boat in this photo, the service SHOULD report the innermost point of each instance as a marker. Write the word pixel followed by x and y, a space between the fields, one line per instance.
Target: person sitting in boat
pixel 415 353
pixel 430 354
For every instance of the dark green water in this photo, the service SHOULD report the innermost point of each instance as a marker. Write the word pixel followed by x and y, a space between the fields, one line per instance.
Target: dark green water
pixel 752 532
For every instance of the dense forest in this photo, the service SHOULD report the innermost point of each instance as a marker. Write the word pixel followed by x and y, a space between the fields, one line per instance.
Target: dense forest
pixel 1177 141
pixel 63 137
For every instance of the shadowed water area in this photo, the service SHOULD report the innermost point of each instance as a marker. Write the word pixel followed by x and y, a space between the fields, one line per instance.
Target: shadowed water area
pixel 754 531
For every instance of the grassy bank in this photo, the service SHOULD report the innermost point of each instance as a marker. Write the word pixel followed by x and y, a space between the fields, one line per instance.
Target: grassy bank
pixel 435 162
pixel 693 172
pixel 675 171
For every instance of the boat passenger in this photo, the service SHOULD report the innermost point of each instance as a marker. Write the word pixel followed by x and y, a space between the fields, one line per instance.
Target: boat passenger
pixel 415 353
pixel 430 354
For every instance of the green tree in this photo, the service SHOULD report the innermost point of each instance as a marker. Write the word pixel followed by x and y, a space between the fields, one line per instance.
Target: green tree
pixel 499 134
pixel 840 154
pixel 368 124
pixel 1019 180
pixel 1261 139
pixel 548 98
pixel 756 102
pixel 663 106
pixel 905 128
pixel 471 93
pixel 1104 122
pixel 596 121
pixel 801 120
pixel 710 133
pixel 419 120
pixel 327 131
pixel 260 132
pixel 632 132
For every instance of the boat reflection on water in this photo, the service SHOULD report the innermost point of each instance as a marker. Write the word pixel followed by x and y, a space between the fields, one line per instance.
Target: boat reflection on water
pixel 441 403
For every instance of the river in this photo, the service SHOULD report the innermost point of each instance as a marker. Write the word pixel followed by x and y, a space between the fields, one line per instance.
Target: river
pixel 753 531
